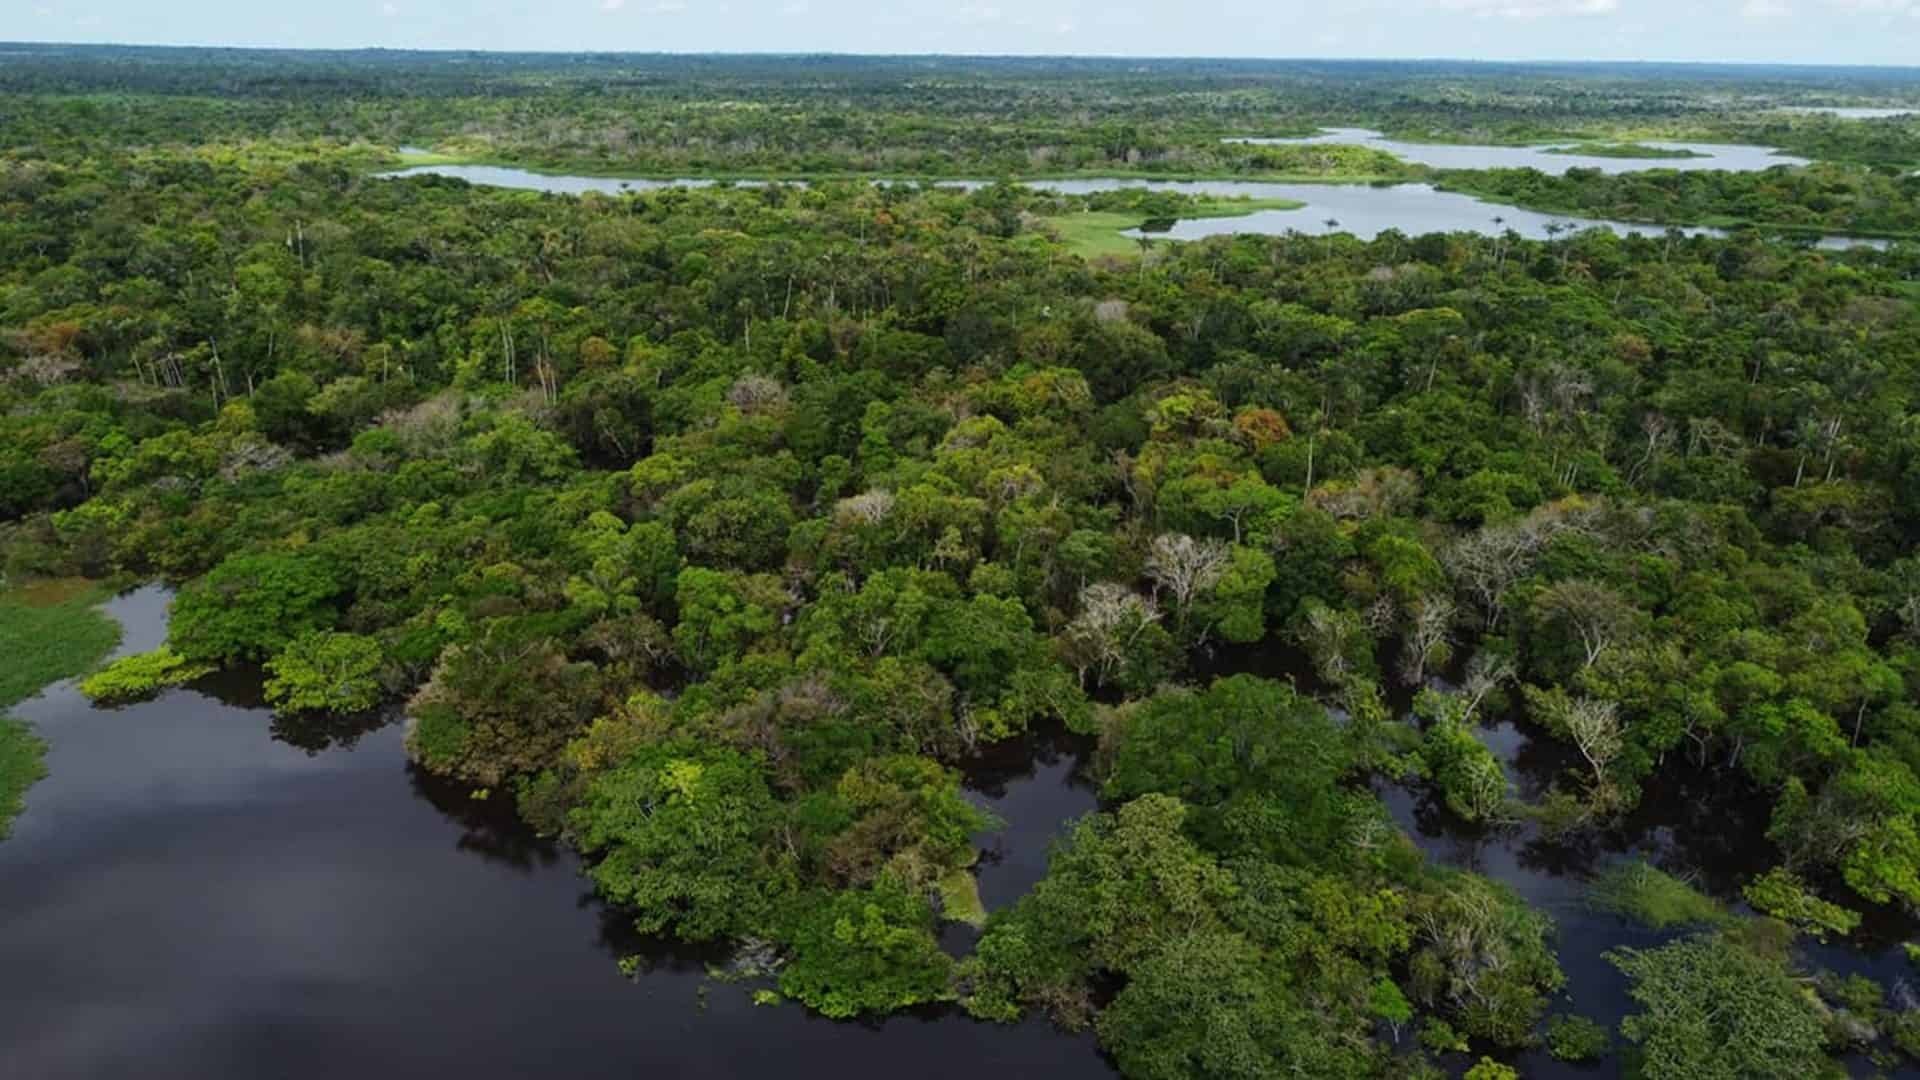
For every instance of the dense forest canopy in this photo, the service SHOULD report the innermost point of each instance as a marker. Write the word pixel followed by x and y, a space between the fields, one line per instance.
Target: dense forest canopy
pixel 715 528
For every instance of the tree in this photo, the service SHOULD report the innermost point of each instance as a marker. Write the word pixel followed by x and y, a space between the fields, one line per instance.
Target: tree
pixel 1117 637
pixel 721 614
pixel 1470 777
pixel 1483 956
pixel 1235 607
pixel 1186 568
pixel 1594 615
pixel 1261 763
pixel 866 951
pixel 500 706
pixel 1592 725
pixel 326 672
pixel 1713 1008
pixel 253 606
pixel 679 834
pixel 1428 638
pixel 1117 891
pixel 1205 1005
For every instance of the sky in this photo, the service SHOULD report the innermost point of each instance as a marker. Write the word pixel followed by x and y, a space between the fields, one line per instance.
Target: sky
pixel 1778 31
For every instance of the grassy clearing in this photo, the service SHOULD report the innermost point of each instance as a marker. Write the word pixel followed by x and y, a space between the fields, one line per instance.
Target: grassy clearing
pixel 960 898
pixel 20 768
pixel 1654 898
pixel 48 631
pixel 414 156
pixel 1096 233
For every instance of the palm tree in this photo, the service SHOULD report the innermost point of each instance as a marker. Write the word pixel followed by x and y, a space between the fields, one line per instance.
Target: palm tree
pixel 1333 226
pixel 1146 245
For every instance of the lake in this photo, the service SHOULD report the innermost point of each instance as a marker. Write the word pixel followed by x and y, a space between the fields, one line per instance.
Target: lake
pixel 1547 158
pixel 197 891
pixel 1364 210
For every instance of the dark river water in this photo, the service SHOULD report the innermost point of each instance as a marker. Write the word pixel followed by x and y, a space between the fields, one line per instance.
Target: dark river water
pixel 197 891
pixel 189 896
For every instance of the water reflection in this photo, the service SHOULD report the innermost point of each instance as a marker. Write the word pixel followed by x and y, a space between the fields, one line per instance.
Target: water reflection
pixel 189 896
pixel 1037 785
pixel 490 827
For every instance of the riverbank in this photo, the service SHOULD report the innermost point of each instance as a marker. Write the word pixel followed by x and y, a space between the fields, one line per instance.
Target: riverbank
pixel 49 631
pixel 298 884
pixel 1477 186
pixel 1100 233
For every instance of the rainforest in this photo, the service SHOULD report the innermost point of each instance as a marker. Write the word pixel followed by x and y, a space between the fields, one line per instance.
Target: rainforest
pixel 847 590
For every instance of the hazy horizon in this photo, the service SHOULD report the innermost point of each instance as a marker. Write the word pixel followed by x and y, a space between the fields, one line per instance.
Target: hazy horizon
pixel 1879 33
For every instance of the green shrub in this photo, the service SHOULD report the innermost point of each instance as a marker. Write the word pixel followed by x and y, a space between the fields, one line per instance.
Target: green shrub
pixel 141 675
pixel 1575 1038
pixel 20 767
pixel 1653 897
pixel 1711 1007
pixel 1781 893
pixel 1489 1069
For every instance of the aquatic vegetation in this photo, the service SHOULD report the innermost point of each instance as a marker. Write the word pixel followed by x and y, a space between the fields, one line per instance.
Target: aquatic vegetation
pixel 20 767
pixel 1782 894
pixel 1652 897
pixel 141 675
pixel 49 630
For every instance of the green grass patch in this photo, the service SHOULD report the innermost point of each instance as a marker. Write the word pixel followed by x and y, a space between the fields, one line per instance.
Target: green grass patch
pixel 49 630
pixel 412 157
pixel 1096 233
pixel 960 898
pixel 20 766
pixel 1654 898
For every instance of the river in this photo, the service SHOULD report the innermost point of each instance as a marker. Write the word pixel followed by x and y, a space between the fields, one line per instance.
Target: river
pixel 191 894
pixel 1552 158
pixel 199 890
pixel 1364 210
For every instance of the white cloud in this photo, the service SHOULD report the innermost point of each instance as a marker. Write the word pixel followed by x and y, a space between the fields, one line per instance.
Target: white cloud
pixel 1531 9
pixel 612 5
pixel 1765 9
pixel 979 13
pixel 795 7
pixel 389 10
